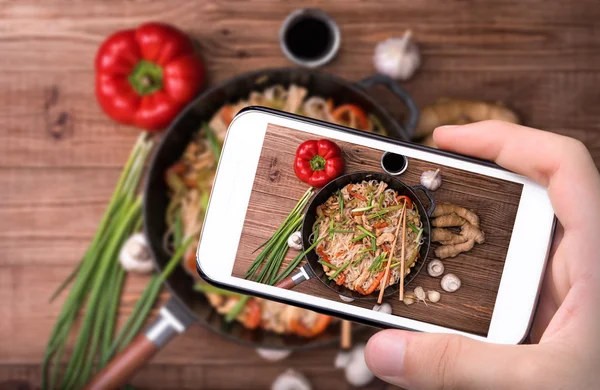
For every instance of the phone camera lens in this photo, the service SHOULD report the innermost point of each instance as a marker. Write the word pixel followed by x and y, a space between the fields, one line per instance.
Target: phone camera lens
pixel 393 163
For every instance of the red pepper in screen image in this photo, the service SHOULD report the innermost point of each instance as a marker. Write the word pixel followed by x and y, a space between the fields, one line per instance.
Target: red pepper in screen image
pixel 144 77
pixel 318 162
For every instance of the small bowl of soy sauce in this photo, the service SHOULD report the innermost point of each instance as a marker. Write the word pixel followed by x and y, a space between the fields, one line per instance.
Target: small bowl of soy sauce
pixel 309 37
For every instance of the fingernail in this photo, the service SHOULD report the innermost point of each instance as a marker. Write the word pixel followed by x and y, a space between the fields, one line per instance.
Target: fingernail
pixel 385 353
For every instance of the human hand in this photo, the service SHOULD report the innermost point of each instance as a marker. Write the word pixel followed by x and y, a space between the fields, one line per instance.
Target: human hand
pixel 566 327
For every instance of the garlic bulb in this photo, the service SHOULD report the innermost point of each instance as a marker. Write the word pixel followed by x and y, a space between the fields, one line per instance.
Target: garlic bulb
pixel 346 299
pixel 354 365
pixel 432 180
pixel 435 268
pixel 135 255
pixel 295 241
pixel 433 296
pixel 397 58
pixel 383 308
pixel 450 283
pixel 273 355
pixel 291 380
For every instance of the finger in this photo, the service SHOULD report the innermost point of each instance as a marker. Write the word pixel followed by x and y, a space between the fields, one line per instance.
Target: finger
pixel 562 164
pixel 435 361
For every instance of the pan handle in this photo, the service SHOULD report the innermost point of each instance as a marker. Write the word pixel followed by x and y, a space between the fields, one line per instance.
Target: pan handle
pixel 429 196
pixel 413 110
pixel 140 351
pixel 291 281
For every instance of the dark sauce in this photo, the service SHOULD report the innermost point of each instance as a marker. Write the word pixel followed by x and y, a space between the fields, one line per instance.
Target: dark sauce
pixel 393 163
pixel 309 38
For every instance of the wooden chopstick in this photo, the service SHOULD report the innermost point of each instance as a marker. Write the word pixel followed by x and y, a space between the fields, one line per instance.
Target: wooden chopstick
pixel 346 339
pixel 402 256
pixel 389 262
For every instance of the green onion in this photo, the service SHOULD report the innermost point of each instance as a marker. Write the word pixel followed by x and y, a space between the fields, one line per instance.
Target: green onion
pixel 413 227
pixel 341 200
pixel 380 202
pixel 204 200
pixel 364 250
pixel 98 268
pixel 330 229
pixel 323 262
pixel 370 199
pixel 336 273
pixel 358 260
pixel 235 310
pixel 358 238
pixel 178 230
pixel 373 244
pixel 358 210
pixel 341 231
pixel 294 263
pixel 207 288
pixel 384 211
pixel 213 142
pixel 368 233
pixel 377 261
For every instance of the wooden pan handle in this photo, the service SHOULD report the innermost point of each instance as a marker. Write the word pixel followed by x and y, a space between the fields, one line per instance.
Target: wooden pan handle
pixel 287 283
pixel 123 366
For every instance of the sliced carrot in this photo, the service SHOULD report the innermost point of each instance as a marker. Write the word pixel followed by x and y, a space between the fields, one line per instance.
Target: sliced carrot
pixel 189 182
pixel 299 328
pixel 227 114
pixel 320 325
pixel 358 213
pixel 322 253
pixel 340 279
pixel 406 199
pixel 179 168
pixel 252 314
pixel 380 225
pixel 373 285
pixel 189 263
pixel 355 194
pixel 345 112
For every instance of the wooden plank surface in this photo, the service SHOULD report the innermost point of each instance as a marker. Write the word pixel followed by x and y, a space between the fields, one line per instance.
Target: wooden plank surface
pixel 542 58
pixel 276 189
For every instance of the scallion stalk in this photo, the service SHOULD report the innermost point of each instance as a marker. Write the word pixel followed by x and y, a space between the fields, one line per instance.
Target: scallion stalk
pixel 365 231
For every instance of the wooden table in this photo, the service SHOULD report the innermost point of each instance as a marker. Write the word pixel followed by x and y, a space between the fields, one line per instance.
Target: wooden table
pixel 60 155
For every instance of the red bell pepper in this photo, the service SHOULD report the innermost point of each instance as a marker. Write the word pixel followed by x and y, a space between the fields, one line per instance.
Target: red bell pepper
pixel 144 77
pixel 318 162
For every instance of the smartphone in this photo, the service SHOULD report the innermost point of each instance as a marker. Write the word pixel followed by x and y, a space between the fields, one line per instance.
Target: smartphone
pixel 491 227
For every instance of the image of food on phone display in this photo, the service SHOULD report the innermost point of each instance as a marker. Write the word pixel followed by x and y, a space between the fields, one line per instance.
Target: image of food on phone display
pixel 384 236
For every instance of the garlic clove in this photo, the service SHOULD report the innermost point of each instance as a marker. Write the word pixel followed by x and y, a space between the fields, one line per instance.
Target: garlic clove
pixel 291 380
pixel 450 283
pixel 420 293
pixel 432 180
pixel 135 255
pixel 383 308
pixel 346 299
pixel 357 372
pixel 294 241
pixel 408 300
pixel 435 268
pixel 273 355
pixel 433 296
pixel 397 58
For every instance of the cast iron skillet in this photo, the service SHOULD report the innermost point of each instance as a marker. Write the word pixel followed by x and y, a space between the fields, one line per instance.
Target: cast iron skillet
pixel 312 268
pixel 187 306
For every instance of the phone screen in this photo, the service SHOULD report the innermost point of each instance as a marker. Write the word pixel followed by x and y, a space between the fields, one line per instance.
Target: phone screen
pixel 351 253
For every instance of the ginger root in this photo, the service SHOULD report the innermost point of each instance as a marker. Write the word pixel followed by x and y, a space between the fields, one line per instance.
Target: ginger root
pixel 459 112
pixel 450 215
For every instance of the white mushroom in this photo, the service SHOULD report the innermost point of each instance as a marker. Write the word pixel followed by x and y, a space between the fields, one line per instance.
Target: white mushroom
pixel 346 299
pixel 435 268
pixel 291 380
pixel 450 283
pixel 432 180
pixel 295 241
pixel 433 296
pixel 273 355
pixel 135 255
pixel 355 367
pixel 383 308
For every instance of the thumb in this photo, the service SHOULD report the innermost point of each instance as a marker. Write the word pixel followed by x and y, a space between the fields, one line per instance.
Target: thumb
pixel 438 361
